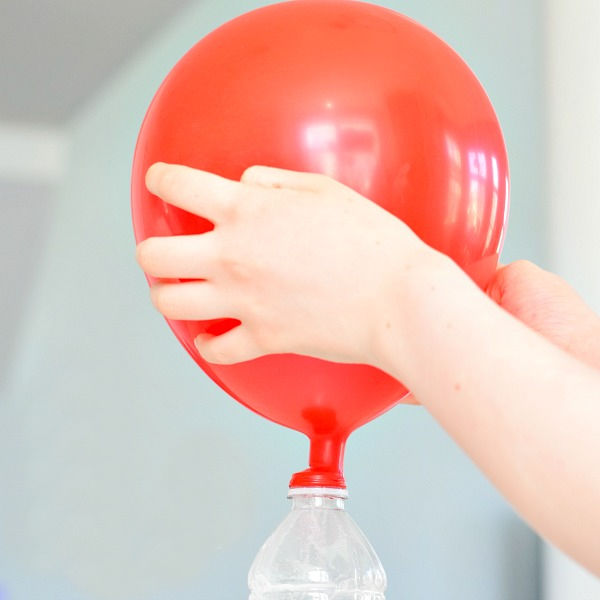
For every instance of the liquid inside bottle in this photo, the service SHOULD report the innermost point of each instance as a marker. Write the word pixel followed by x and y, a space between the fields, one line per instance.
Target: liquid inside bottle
pixel 317 553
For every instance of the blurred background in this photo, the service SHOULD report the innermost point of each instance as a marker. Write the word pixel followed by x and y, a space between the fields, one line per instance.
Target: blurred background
pixel 125 474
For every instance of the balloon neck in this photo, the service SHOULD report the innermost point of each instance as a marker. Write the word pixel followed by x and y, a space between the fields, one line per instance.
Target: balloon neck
pixel 326 465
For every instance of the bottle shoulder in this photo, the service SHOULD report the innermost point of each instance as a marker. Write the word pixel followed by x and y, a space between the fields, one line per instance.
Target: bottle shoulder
pixel 321 548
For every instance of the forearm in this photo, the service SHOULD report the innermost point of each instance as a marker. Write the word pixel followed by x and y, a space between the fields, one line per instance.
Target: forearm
pixel 526 412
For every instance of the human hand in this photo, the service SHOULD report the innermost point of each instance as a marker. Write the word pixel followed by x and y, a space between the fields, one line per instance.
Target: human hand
pixel 302 261
pixel 547 304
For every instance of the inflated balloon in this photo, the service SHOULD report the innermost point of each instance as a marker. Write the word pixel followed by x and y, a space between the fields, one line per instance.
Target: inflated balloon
pixel 359 93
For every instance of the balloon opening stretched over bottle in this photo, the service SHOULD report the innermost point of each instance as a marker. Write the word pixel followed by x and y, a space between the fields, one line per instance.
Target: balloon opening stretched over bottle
pixel 326 465
pixel 317 551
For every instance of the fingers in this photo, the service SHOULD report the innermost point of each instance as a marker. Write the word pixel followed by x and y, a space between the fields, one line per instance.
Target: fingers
pixel 211 196
pixel 190 301
pixel 232 347
pixel 199 192
pixel 280 178
pixel 179 257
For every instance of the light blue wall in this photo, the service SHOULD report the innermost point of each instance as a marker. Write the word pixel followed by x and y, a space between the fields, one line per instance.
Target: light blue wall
pixel 127 474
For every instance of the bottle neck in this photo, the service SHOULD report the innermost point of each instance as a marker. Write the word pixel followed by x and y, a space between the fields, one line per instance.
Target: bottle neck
pixel 318 498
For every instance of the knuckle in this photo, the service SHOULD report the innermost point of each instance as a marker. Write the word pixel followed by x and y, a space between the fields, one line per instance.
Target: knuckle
pixel 322 181
pixel 237 269
pixel 251 173
pixel 233 262
pixel 231 208
pixel 231 205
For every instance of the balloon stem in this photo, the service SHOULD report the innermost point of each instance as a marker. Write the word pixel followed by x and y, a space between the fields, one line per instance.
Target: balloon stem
pixel 326 462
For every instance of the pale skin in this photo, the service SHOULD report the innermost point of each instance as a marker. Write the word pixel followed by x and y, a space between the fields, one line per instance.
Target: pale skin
pixel 311 267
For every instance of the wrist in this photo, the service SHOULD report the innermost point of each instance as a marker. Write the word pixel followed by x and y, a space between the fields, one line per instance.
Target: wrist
pixel 414 290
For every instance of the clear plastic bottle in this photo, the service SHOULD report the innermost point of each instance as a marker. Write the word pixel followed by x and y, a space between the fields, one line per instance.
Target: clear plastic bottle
pixel 317 553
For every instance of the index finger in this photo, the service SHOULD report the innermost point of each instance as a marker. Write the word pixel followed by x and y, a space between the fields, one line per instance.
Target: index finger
pixel 199 192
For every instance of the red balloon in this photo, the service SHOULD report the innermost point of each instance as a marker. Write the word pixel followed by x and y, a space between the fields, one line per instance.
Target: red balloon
pixel 366 96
